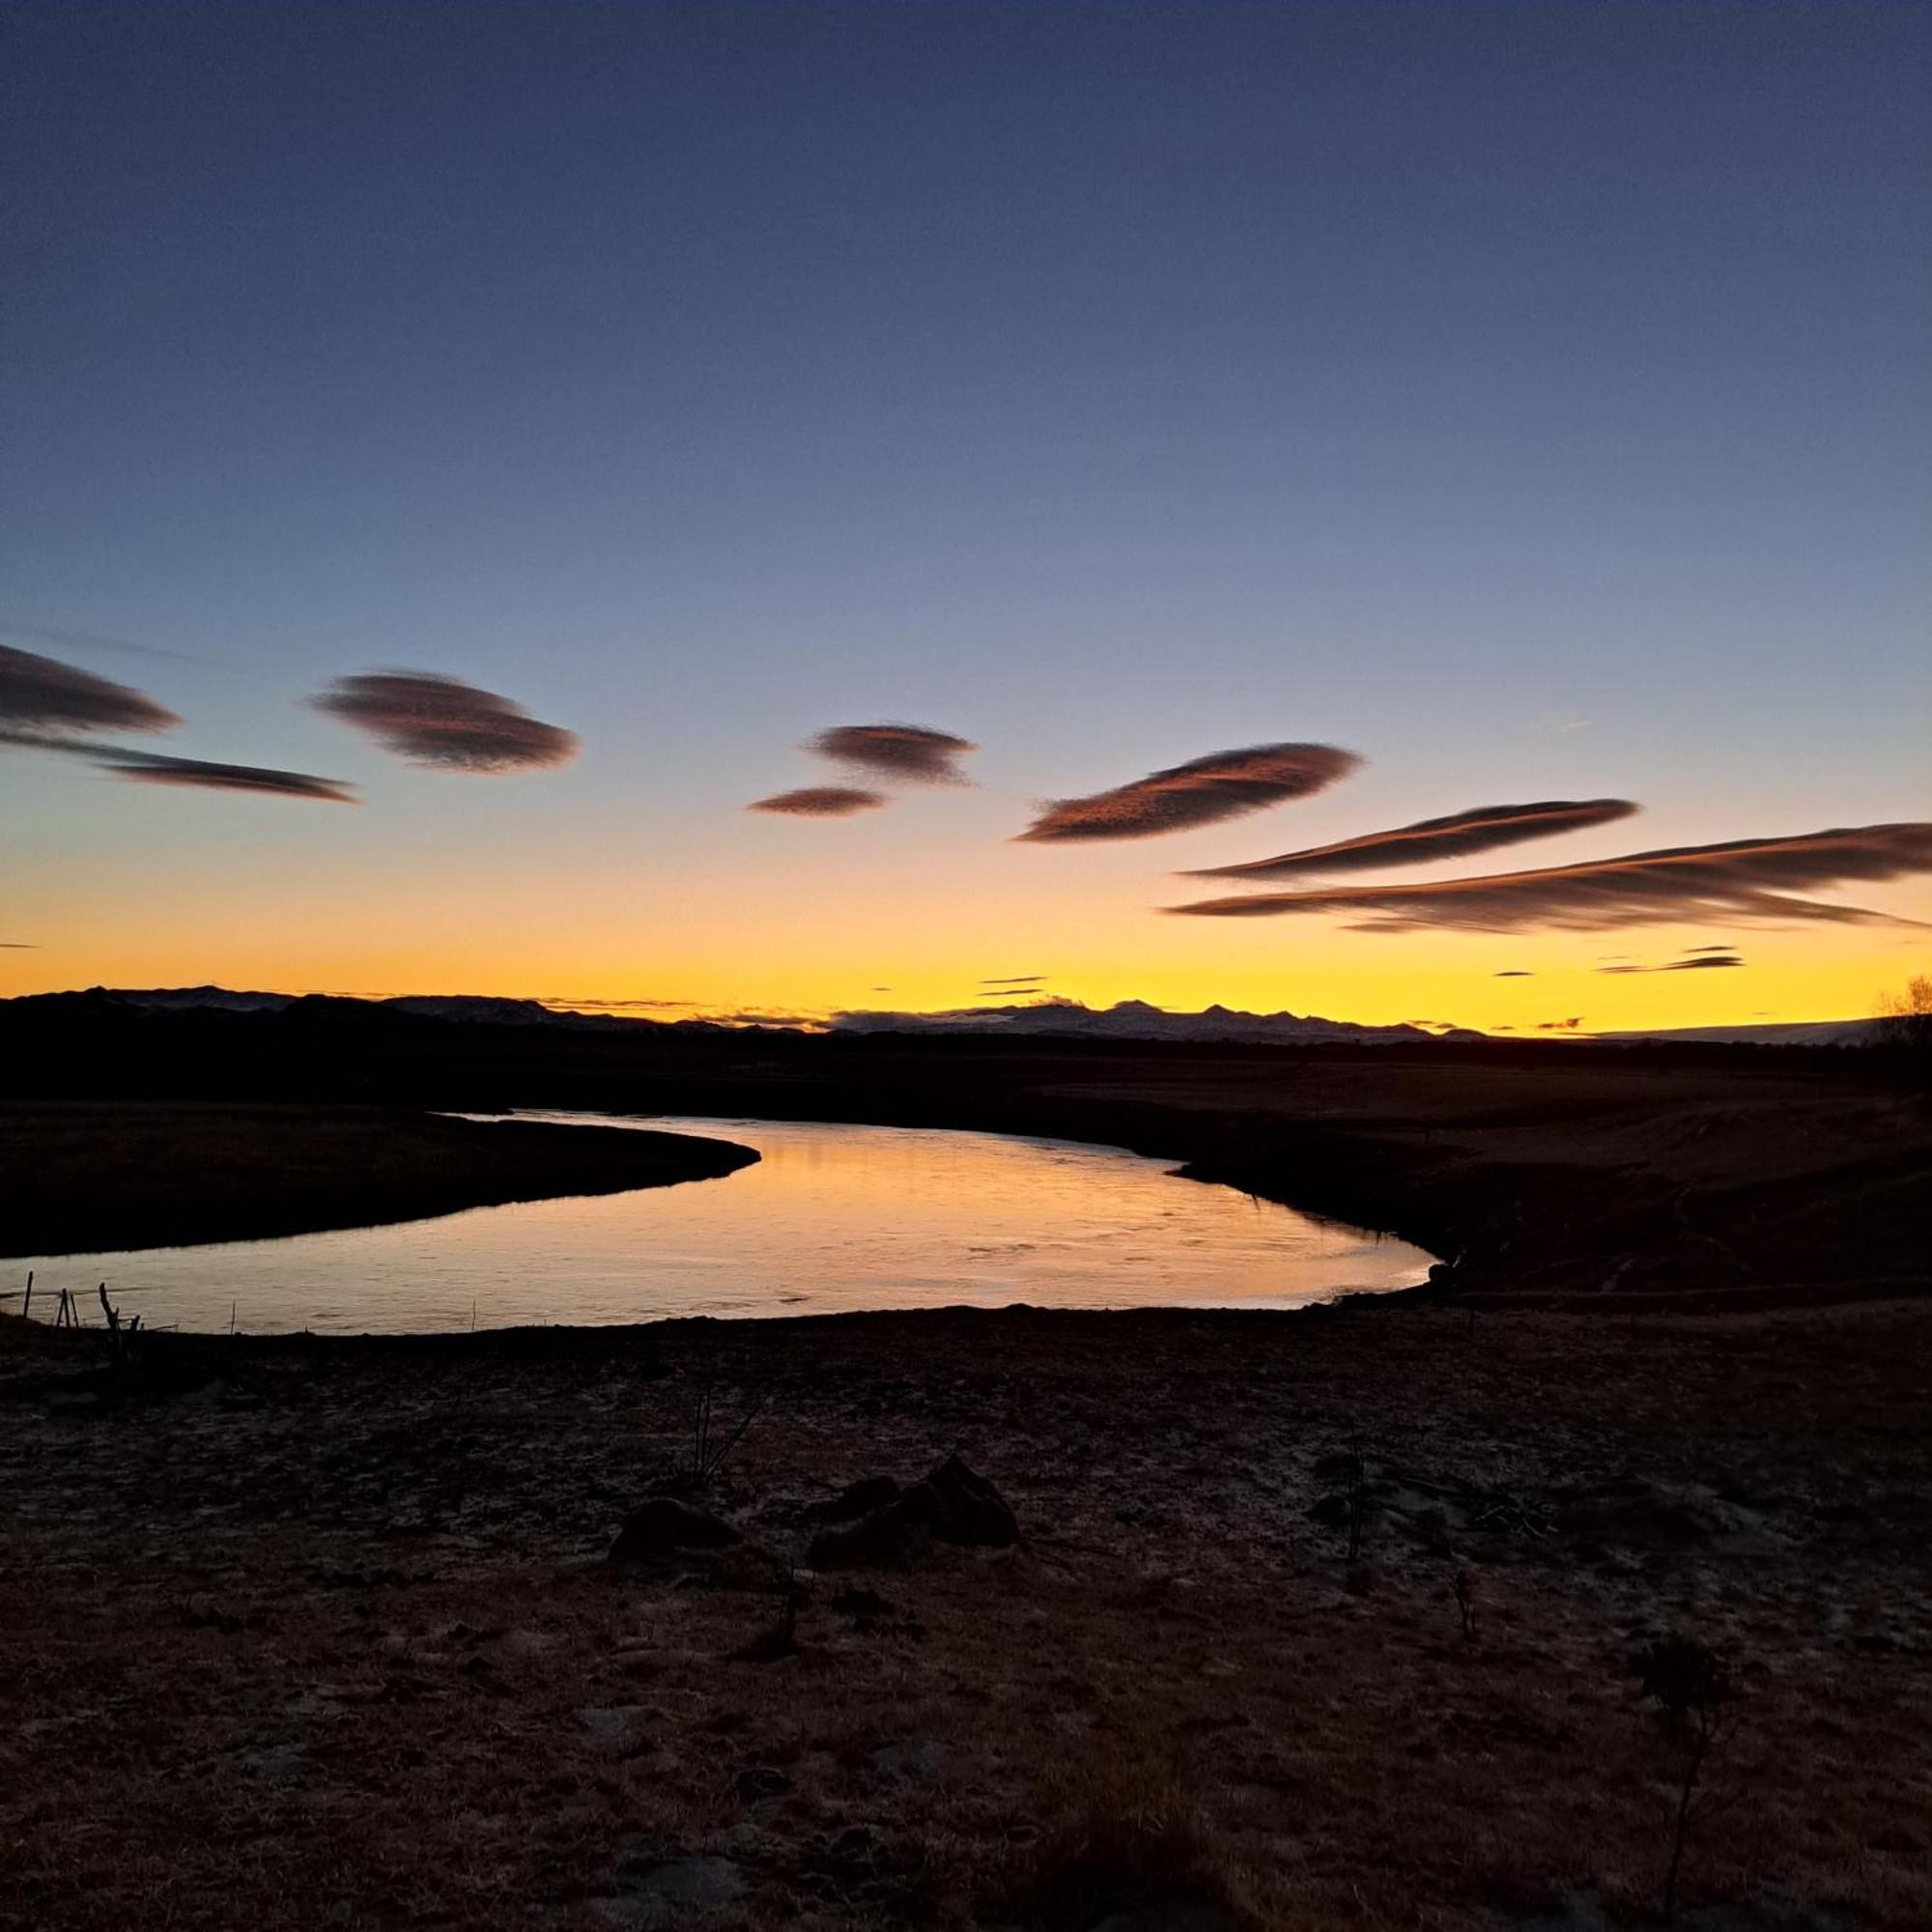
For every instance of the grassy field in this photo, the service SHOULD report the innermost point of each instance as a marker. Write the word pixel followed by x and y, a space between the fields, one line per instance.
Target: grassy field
pixel 320 1632
pixel 81 1176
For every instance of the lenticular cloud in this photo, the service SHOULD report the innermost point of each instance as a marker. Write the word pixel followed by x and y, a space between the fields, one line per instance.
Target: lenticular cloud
pixel 908 752
pixel 1456 836
pixel 1224 784
pixel 1748 879
pixel 446 724
pixel 41 697
pixel 819 802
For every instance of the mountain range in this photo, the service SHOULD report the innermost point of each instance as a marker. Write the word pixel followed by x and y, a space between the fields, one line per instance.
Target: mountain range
pixel 1128 1019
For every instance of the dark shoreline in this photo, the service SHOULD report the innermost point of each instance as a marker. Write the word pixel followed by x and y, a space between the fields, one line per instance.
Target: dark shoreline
pixel 107 1179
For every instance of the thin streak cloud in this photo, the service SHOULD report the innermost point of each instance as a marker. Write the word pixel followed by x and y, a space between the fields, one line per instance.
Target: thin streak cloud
pixel 89 640
pixel 1457 836
pixel 819 802
pixel 1699 963
pixel 151 768
pixel 1204 791
pixel 446 724
pixel 909 753
pixel 1747 879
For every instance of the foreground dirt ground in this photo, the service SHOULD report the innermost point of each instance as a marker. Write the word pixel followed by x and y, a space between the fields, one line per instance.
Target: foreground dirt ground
pixel 321 1632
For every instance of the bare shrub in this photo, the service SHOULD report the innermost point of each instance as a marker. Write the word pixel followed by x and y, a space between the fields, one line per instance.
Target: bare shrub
pixel 1905 1018
pixel 1692 1685
pixel 1121 1831
pixel 710 1437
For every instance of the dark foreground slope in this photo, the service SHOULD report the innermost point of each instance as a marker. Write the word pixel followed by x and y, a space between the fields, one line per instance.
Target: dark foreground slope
pixel 321 1633
pixel 1753 1175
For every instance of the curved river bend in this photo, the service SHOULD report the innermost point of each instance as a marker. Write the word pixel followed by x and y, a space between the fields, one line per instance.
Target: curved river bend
pixel 833 1217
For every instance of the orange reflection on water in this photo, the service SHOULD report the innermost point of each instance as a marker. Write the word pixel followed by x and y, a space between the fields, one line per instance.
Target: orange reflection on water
pixel 833 1217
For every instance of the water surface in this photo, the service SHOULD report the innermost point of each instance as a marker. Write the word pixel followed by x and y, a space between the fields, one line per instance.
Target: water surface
pixel 831 1218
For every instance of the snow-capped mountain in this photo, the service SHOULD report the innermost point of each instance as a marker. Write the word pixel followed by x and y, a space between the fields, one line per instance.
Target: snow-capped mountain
pixel 1770 1033
pixel 1136 1019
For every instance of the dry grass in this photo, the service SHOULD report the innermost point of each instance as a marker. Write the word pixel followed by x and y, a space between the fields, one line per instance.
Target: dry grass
pixel 326 1639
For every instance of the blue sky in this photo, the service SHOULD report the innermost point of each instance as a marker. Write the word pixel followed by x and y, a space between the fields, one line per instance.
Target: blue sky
pixel 1533 399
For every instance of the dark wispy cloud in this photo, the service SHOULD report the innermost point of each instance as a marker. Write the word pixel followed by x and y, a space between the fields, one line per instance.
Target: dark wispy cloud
pixel 1560 1026
pixel 819 802
pixel 19 945
pixel 41 699
pixel 90 641
pixel 1695 963
pixel 1748 879
pixel 1224 784
pixel 1725 948
pixel 1514 973
pixel 446 724
pixel 151 768
pixel 909 753
pixel 1456 836
pixel 1015 979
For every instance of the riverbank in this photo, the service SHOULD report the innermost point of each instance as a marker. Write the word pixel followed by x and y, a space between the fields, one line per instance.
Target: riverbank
pixel 1719 1178
pixel 322 1633
pixel 82 1175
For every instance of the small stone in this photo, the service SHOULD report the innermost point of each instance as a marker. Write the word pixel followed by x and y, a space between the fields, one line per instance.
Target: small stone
pixel 666 1527
pixel 952 1505
pixel 672 1892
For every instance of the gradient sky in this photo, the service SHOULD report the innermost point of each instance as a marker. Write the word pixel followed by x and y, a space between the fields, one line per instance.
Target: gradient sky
pixel 1534 400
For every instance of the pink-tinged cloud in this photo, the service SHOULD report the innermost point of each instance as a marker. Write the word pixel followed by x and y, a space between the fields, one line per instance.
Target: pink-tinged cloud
pixel 446 724
pixel 44 697
pixel 908 752
pixel 819 802
pixel 150 768
pixel 1458 836
pixel 1749 879
pixel 1224 784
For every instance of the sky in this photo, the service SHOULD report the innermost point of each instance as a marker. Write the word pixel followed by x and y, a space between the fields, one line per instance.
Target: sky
pixel 1530 401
